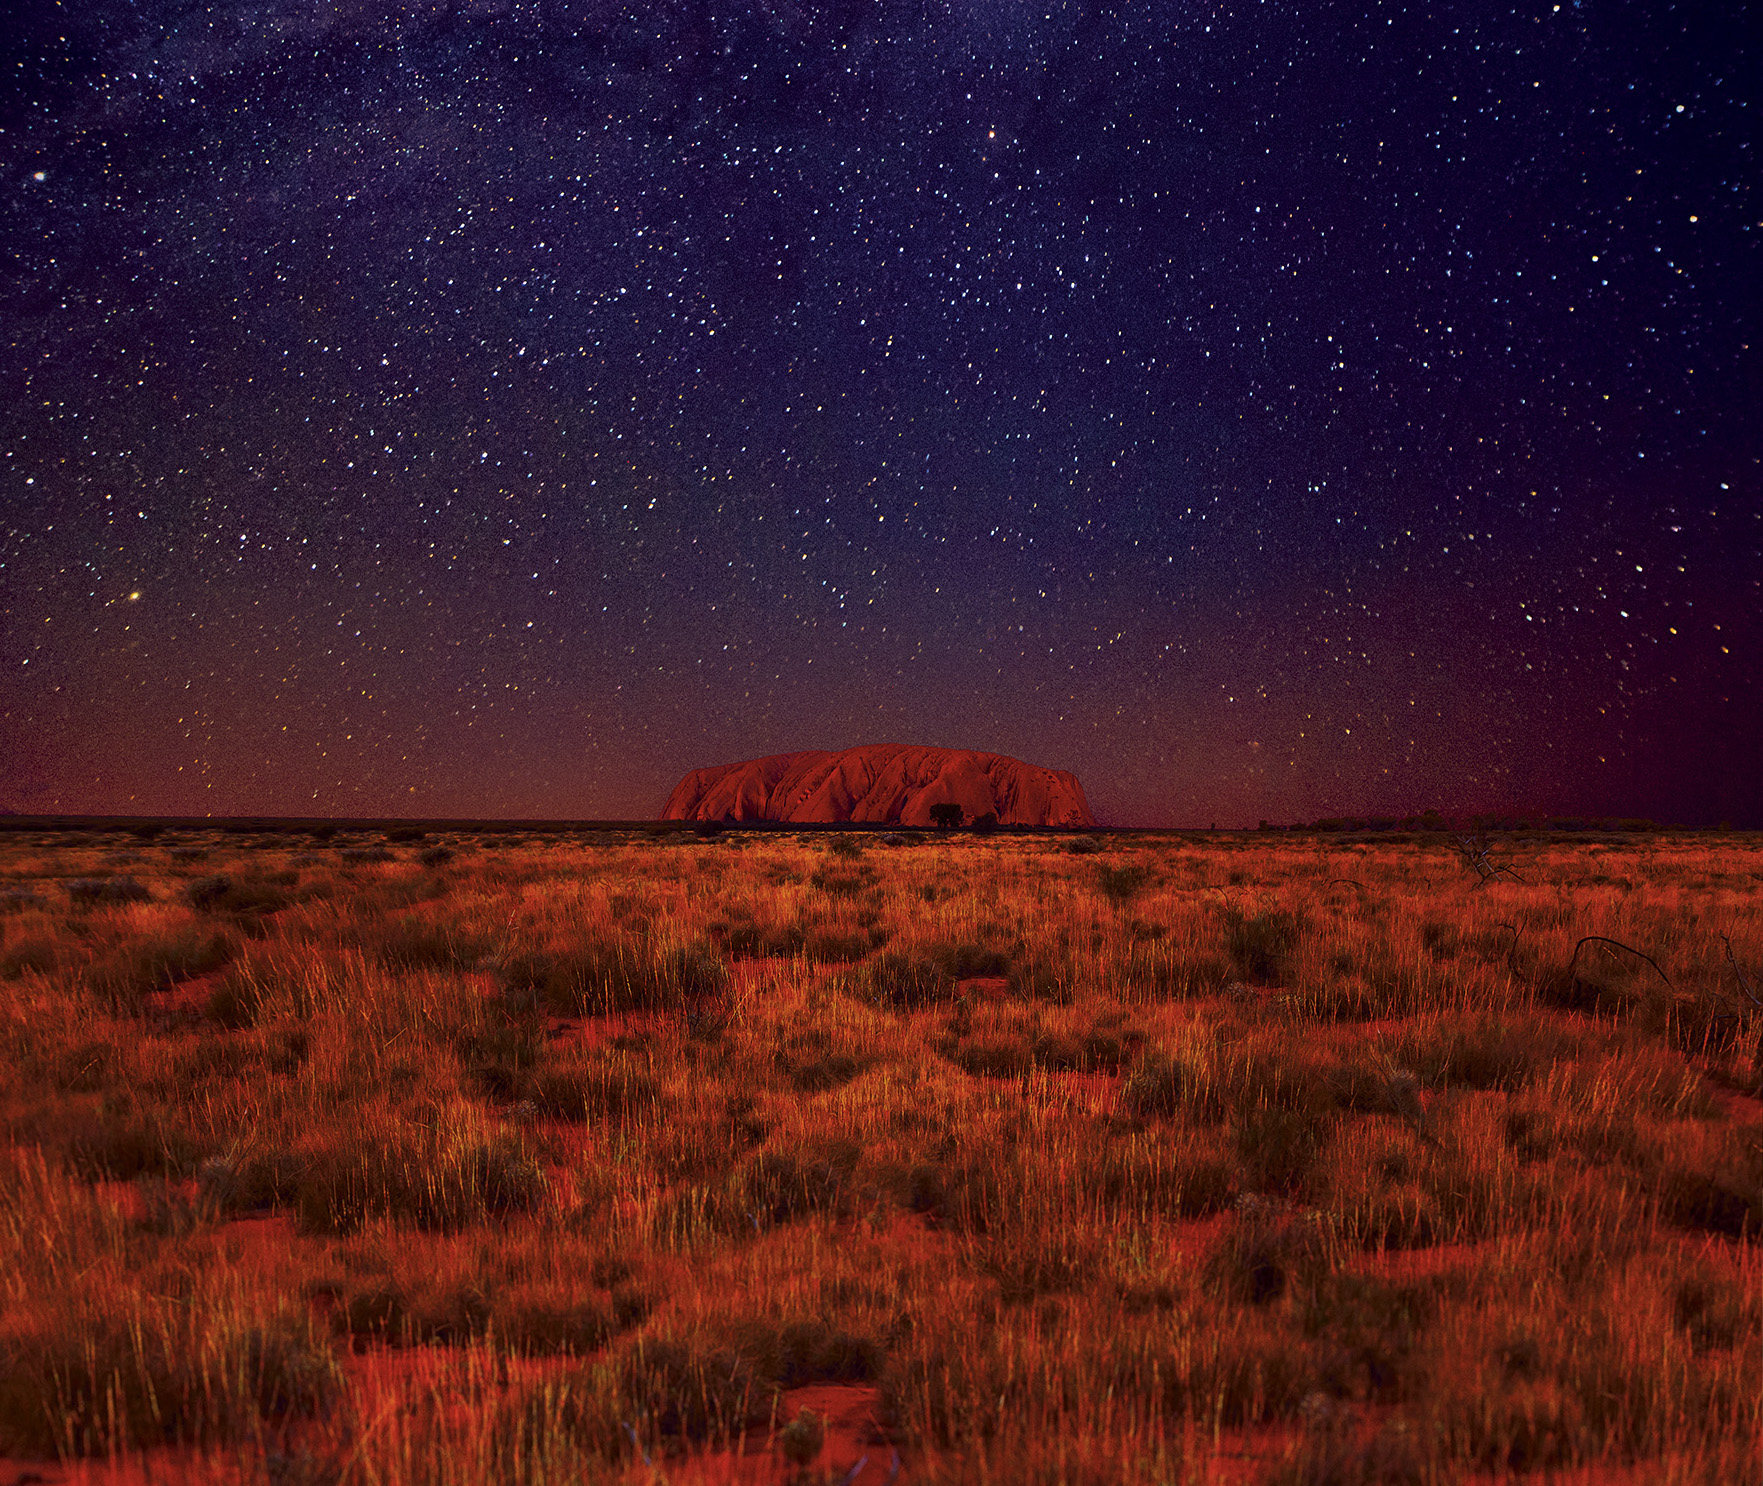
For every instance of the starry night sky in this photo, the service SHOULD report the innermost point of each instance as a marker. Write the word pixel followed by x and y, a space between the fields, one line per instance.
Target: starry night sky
pixel 496 408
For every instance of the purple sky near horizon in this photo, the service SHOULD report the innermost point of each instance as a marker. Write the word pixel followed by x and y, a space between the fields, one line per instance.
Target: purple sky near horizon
pixel 500 407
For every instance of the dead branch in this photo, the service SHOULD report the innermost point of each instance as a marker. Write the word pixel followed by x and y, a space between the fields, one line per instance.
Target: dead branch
pixel 1744 984
pixel 1601 939
pixel 1512 948
pixel 1474 850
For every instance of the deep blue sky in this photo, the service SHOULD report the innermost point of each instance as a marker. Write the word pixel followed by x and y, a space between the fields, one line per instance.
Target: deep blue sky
pixel 1270 410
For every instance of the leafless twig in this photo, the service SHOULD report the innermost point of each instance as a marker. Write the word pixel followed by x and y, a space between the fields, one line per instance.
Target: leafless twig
pixel 1512 948
pixel 1601 939
pixel 1474 848
pixel 1744 984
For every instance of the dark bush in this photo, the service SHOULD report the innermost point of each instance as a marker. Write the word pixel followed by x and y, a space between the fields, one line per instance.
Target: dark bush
pixel 970 961
pixel 1143 1177
pixel 779 1185
pixel 1038 1262
pixel 96 890
pixel 1121 882
pixel 814 1066
pixel 683 1392
pixel 198 1374
pixel 378 1312
pixel 1372 1326
pixel 599 975
pixel 613 1087
pixel 826 946
pixel 1260 944
pixel 236 1001
pixel 810 1351
pixel 1162 1085
pixel 907 982
pixel 1398 1454
pixel 1278 1147
pixel 572 1328
pixel 966 1197
pixel 1050 980
pixel 242 897
pixel 362 854
pixel 418 1178
pixel 839 884
pixel 1270 1245
pixel 1697 1201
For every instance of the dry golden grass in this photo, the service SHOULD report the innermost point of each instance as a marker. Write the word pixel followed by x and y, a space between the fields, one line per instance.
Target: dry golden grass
pixel 590 1158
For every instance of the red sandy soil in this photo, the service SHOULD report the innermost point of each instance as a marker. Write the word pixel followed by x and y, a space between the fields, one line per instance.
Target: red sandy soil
pixel 853 1437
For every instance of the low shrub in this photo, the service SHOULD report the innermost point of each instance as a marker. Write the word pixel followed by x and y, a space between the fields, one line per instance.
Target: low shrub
pixel 95 891
pixel 123 974
pixel 1122 882
pixel 1278 1147
pixel 612 1085
pixel 431 1178
pixel 598 976
pixel 251 895
pixel 1261 944
pixel 902 981
pixel 690 1392
pixel 140 1371
pixel 357 856
pixel 1165 1084
pixel 1270 1247
pixel 814 1064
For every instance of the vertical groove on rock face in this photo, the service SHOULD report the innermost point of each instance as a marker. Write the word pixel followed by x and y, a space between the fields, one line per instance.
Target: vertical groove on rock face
pixel 881 784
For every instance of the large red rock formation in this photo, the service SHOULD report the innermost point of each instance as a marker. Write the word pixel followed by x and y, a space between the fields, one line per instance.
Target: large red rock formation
pixel 880 784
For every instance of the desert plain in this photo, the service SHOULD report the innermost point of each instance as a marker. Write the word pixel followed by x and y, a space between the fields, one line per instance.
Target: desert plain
pixel 770 1156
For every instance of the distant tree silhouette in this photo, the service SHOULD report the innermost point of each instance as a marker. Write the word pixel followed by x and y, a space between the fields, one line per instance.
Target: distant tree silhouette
pixel 947 816
pixel 986 822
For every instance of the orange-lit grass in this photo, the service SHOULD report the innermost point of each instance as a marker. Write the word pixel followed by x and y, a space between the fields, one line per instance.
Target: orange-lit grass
pixel 1291 1159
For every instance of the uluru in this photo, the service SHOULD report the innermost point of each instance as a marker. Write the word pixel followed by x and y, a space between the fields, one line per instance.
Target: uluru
pixel 880 784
